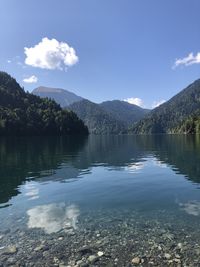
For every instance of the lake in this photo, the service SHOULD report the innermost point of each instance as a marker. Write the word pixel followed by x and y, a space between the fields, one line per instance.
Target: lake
pixel 100 201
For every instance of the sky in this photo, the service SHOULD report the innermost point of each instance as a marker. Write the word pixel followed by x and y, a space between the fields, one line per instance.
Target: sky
pixel 141 51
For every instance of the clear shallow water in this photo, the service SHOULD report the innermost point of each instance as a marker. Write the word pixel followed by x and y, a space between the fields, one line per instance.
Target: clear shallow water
pixel 65 199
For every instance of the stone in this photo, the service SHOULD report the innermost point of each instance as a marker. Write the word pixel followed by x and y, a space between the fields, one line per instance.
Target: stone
pixel 11 250
pixel 79 262
pixel 45 254
pixel 180 245
pixel 92 258
pixel 11 260
pixel 56 260
pixel 136 260
pixel 167 256
pixel 100 253
pixel 38 248
pixel 85 250
pixel 177 256
pixel 84 264
pixel 177 260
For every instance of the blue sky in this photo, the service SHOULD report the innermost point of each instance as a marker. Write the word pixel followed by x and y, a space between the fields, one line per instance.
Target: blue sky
pixel 105 49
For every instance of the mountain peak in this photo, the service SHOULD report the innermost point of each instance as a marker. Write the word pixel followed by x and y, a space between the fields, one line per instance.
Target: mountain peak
pixel 61 96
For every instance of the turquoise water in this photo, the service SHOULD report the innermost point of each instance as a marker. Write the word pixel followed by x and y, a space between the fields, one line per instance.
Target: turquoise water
pixel 124 196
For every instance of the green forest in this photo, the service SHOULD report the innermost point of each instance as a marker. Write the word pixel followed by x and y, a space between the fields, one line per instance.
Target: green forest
pixel 22 113
pixel 178 115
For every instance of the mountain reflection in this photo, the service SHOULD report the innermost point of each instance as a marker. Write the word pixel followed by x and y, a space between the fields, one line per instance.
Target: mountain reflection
pixel 31 158
pixel 53 217
pixel 61 159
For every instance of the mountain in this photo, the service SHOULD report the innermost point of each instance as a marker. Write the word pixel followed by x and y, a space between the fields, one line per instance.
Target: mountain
pixel 123 111
pixel 170 115
pixel 190 125
pixel 23 113
pixel 96 118
pixel 63 97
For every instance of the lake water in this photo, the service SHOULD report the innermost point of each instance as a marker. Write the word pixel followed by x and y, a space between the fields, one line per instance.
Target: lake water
pixel 100 201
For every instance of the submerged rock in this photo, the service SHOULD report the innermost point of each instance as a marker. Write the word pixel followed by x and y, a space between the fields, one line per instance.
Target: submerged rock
pixel 100 253
pixel 167 256
pixel 11 250
pixel 85 250
pixel 39 248
pixel 92 258
pixel 136 261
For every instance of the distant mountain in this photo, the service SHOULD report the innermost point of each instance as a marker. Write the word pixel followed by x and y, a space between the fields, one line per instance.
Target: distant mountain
pixel 168 117
pixel 63 97
pixel 23 113
pixel 97 119
pixel 108 117
pixel 123 111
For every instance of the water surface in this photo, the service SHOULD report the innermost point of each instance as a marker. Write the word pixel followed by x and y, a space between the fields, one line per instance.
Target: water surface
pixel 100 201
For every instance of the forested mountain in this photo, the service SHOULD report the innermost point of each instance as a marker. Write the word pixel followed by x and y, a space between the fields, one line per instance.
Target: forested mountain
pixel 169 117
pixel 108 117
pixel 119 114
pixel 123 111
pixel 97 119
pixel 63 97
pixel 191 125
pixel 22 113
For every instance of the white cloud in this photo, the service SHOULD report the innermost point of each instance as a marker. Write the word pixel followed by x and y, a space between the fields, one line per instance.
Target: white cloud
pixel 158 103
pixel 31 79
pixel 188 60
pixel 135 101
pixel 9 61
pixel 50 54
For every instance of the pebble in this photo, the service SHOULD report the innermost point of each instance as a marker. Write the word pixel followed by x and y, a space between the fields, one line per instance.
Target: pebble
pixel 79 262
pixel 84 264
pixel 177 256
pixel 167 256
pixel 11 260
pixel 39 248
pixel 56 260
pixel 136 260
pixel 84 250
pixel 180 245
pixel 92 258
pixel 177 260
pixel 100 253
pixel 11 250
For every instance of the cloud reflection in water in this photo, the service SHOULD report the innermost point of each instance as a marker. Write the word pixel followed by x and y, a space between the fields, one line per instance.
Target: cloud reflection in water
pixel 53 217
pixel 191 207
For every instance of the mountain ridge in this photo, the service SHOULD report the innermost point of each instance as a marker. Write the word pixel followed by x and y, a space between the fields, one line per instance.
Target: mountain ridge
pixel 169 115
pixel 118 113
pixel 62 96
pixel 124 111
pixel 97 119
pixel 22 113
